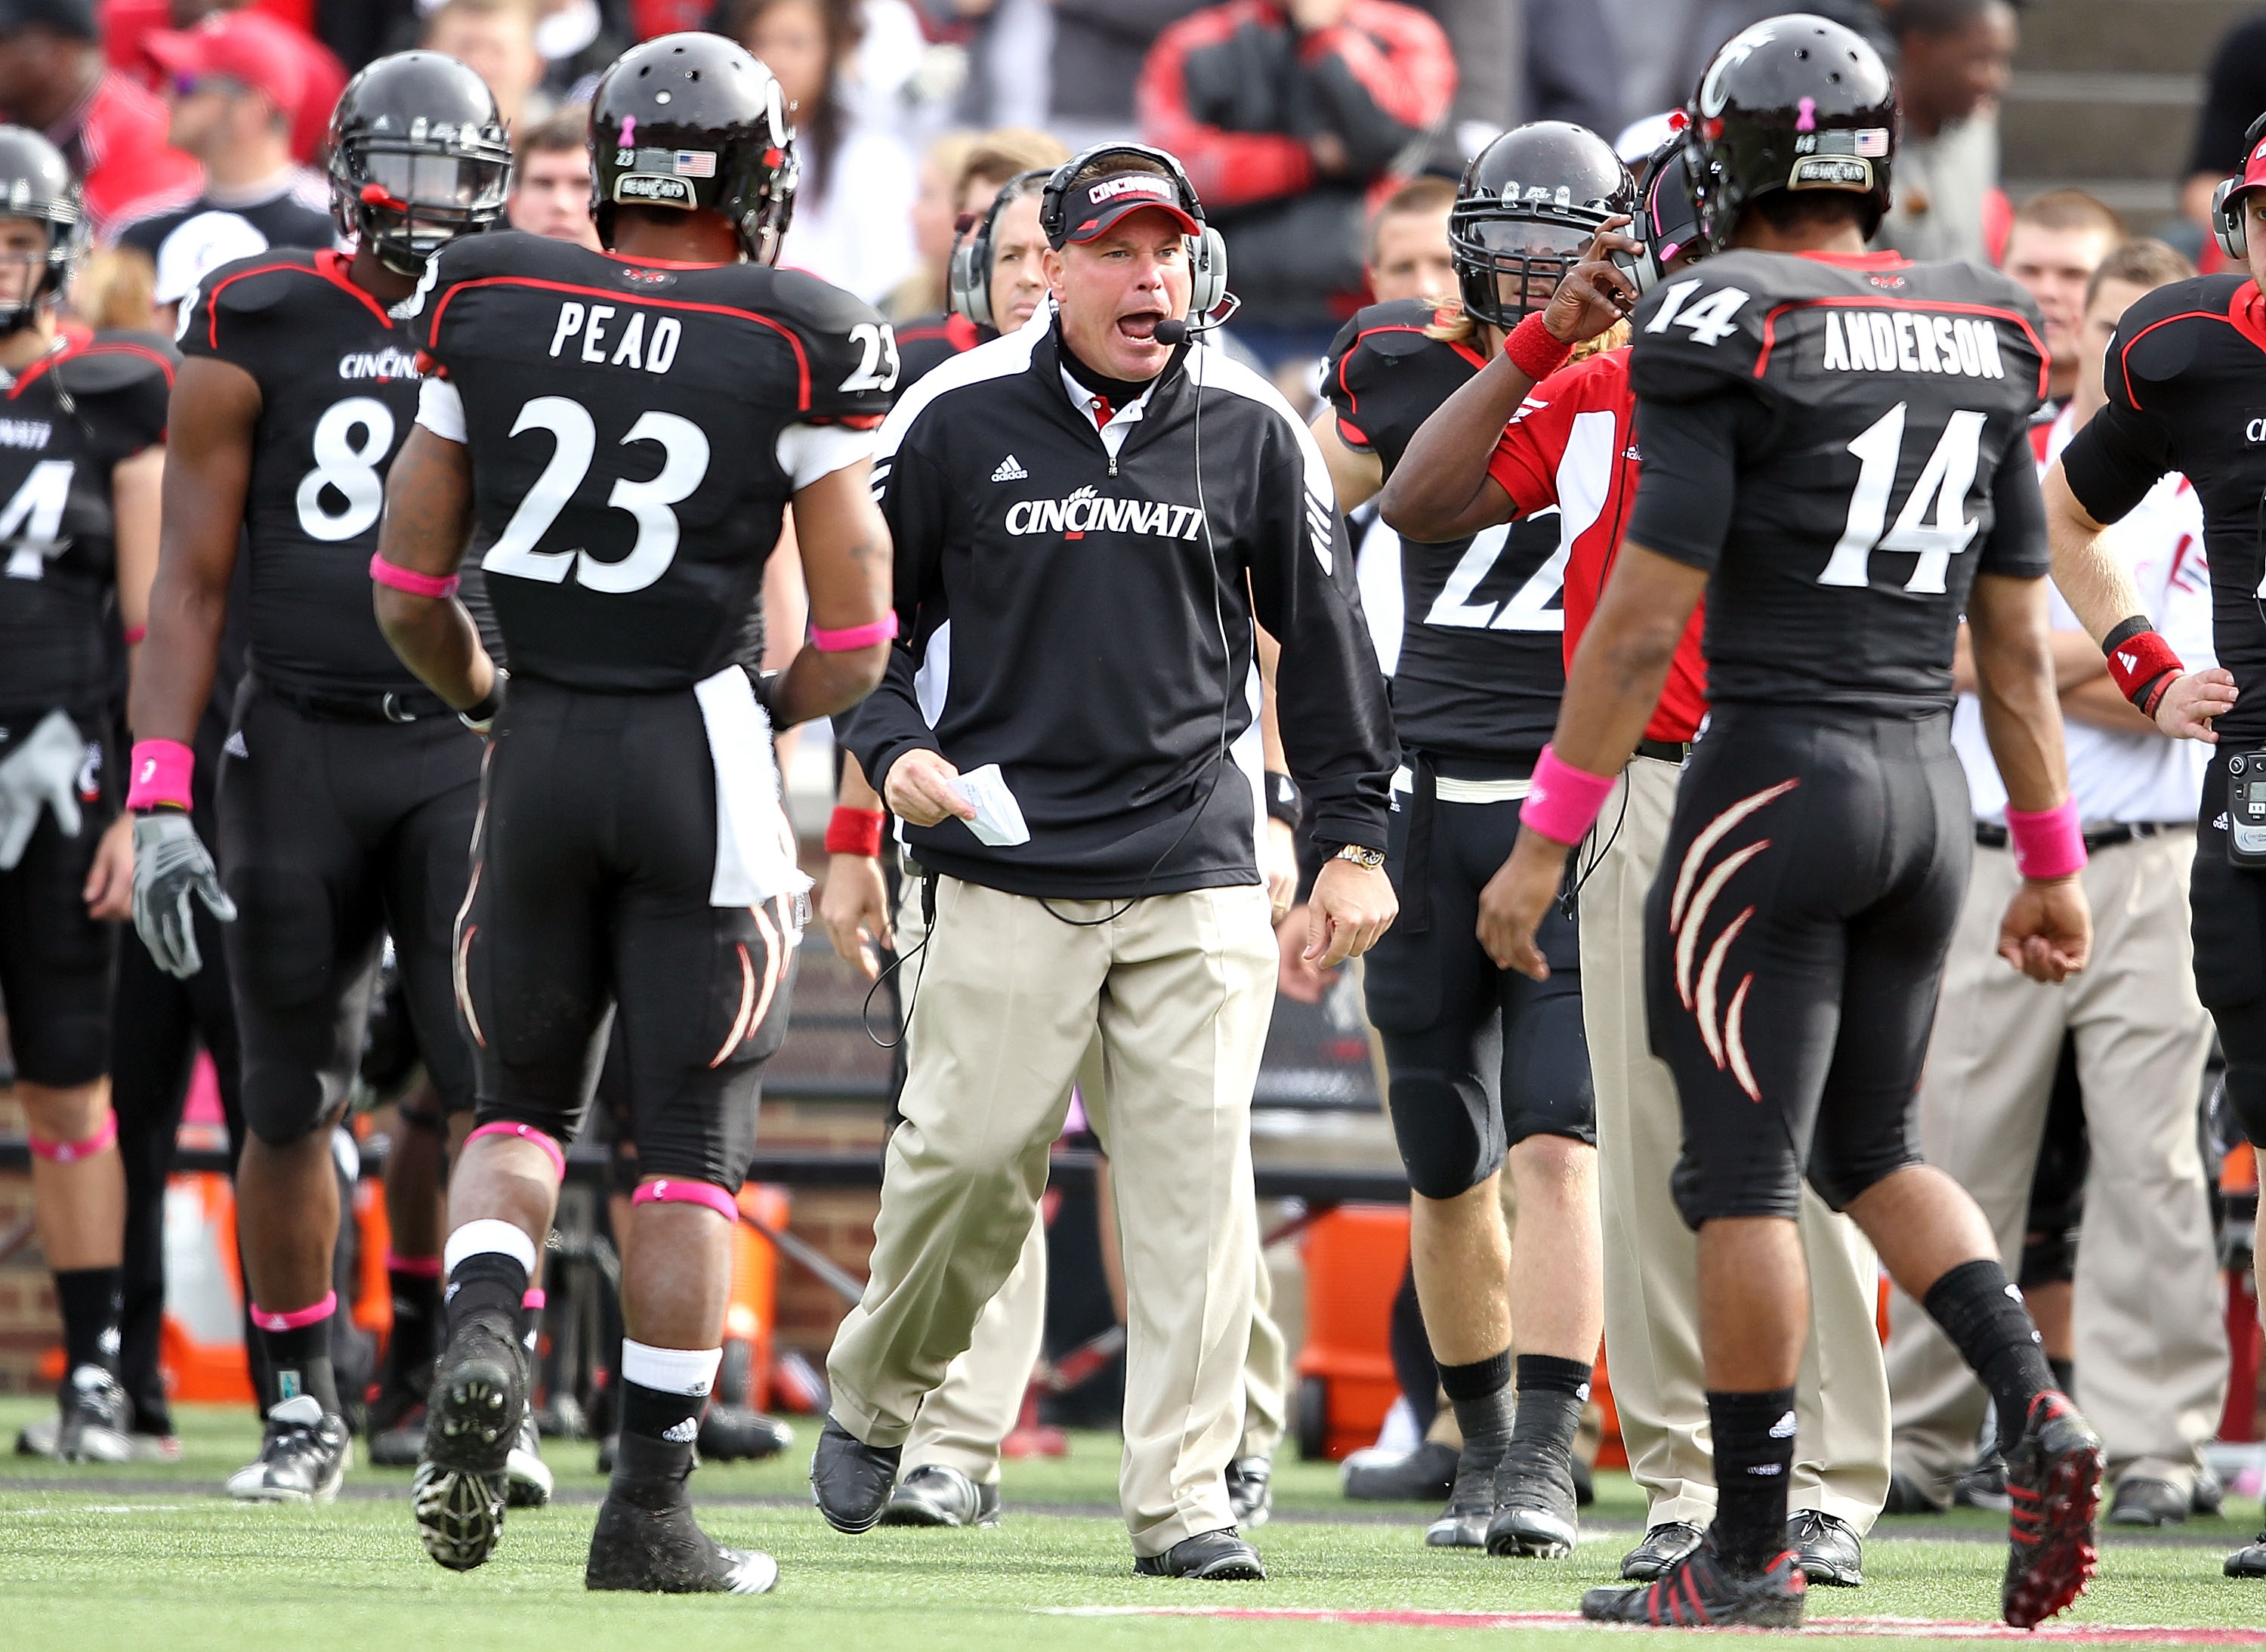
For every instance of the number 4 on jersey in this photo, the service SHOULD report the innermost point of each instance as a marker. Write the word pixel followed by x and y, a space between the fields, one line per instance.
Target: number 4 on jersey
pixel 1711 320
pixel 1944 483
pixel 32 521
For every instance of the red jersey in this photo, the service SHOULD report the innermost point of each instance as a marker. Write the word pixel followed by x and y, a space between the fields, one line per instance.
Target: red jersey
pixel 1572 443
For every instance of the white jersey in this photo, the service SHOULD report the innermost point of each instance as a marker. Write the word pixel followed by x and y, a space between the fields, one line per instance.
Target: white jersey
pixel 2128 778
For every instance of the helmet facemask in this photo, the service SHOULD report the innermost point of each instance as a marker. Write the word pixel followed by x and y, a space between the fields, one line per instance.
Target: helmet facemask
pixel 410 195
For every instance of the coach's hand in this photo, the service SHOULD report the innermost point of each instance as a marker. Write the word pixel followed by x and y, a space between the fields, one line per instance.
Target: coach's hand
pixel 1350 908
pixel 2190 703
pixel 919 789
pixel 1515 900
pixel 1596 292
pixel 854 907
pixel 2047 931
pixel 170 865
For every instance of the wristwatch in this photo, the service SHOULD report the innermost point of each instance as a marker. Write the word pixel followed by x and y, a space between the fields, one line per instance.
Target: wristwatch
pixel 1367 860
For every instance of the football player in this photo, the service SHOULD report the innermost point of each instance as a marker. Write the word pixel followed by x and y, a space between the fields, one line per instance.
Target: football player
pixel 630 425
pixel 1835 453
pixel 1474 694
pixel 81 454
pixel 348 791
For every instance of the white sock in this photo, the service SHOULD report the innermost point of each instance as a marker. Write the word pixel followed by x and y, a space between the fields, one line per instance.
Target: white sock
pixel 670 1371
pixel 488 1235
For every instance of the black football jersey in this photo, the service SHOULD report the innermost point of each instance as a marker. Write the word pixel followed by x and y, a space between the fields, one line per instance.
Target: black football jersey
pixel 624 419
pixel 2186 376
pixel 338 380
pixel 65 424
pixel 1841 439
pixel 1482 666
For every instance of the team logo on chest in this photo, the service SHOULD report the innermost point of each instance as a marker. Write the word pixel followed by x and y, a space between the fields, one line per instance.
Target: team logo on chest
pixel 1698 981
pixel 1085 511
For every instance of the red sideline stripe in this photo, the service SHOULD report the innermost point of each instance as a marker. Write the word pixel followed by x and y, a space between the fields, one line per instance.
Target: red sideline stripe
pixel 2081 1635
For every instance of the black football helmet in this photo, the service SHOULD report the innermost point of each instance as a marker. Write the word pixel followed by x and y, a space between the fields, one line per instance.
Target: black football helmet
pixel 1795 102
pixel 37 183
pixel 1527 208
pixel 693 121
pixel 419 156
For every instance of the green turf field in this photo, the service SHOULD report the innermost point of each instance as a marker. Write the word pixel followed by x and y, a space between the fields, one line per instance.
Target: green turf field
pixel 150 1558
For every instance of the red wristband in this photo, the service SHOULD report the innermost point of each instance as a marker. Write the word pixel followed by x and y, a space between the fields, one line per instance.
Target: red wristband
pixel 161 769
pixel 2047 841
pixel 854 831
pixel 2142 663
pixel 409 580
pixel 1532 349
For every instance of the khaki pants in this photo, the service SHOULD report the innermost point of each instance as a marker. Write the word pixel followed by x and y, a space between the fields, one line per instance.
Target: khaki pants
pixel 1652 1286
pixel 1181 987
pixel 2150 1344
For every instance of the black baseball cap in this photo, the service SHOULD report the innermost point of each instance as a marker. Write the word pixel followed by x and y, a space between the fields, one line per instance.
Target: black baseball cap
pixel 1091 210
pixel 74 17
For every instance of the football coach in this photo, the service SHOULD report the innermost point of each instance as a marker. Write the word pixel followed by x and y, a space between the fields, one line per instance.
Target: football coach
pixel 1092 517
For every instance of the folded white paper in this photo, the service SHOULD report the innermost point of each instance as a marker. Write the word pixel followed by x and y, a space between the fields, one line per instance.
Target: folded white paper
pixel 998 817
pixel 755 844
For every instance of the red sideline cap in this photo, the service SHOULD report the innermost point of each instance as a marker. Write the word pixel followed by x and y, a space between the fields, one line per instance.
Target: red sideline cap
pixel 249 47
pixel 1093 209
pixel 2253 170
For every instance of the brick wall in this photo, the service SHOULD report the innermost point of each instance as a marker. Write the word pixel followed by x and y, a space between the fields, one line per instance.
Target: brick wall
pixel 27 1299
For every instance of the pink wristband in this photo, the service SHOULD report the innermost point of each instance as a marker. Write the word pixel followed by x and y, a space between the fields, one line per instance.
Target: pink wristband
pixel 2047 842
pixel 134 634
pixel 1534 350
pixel 851 636
pixel 405 579
pixel 162 769
pixel 1563 800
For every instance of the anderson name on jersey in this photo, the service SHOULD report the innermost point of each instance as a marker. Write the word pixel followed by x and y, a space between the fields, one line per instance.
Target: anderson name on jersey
pixel 1480 672
pixel 1872 483
pixel 637 429
pixel 66 423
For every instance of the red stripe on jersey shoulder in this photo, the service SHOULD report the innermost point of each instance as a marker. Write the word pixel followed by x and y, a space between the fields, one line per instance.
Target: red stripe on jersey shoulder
pixel 1460 346
pixel 1853 301
pixel 75 346
pixel 801 361
pixel 2244 313
pixel 327 267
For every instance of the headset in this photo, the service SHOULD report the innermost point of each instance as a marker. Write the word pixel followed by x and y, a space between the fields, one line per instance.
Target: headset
pixel 967 285
pixel 2227 225
pixel 1207 253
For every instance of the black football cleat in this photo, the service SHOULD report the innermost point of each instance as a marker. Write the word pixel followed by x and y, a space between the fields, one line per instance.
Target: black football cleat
pixel 527 1478
pixel 1463 1523
pixel 2053 1476
pixel 1663 1546
pixel 851 1480
pixel 2249 1560
pixel 1696 1593
pixel 1830 1553
pixel 1251 1491
pixel 934 1494
pixel 1426 1475
pixel 473 1420
pixel 97 1420
pixel 1215 1557
pixel 1535 1511
pixel 736 1434
pixel 302 1458
pixel 662 1551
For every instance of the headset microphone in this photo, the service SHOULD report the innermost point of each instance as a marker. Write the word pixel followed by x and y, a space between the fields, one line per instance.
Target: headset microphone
pixel 1172 334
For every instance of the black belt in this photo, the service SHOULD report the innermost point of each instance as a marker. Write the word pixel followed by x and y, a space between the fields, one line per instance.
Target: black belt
pixel 391 706
pixel 2104 837
pixel 1664 750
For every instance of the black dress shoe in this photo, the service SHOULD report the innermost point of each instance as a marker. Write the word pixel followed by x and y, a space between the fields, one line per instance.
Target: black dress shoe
pixel 1423 1475
pixel 1251 1491
pixel 1212 1556
pixel 2142 1502
pixel 850 1479
pixel 1663 1546
pixel 2249 1560
pixel 1827 1547
pixel 934 1494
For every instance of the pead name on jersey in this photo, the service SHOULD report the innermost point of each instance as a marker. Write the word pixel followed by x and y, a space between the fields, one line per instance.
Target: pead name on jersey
pixel 632 344
pixel 1905 341
pixel 1085 511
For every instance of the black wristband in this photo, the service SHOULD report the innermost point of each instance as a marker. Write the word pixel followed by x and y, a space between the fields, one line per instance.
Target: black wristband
pixel 1283 801
pixel 478 717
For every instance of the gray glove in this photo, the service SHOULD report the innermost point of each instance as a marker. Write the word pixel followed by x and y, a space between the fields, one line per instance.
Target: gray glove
pixel 170 865
pixel 41 772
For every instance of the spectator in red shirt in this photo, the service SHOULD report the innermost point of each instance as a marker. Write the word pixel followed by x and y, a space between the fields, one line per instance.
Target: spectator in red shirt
pixel 1286 115
pixel 112 132
pixel 126 26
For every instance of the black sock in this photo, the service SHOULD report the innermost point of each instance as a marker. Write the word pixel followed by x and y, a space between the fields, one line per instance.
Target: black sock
pixel 2064 1373
pixel 91 1300
pixel 1754 1457
pixel 299 1363
pixel 655 1451
pixel 1551 1394
pixel 1984 1316
pixel 1480 1393
pixel 488 1284
pixel 415 1340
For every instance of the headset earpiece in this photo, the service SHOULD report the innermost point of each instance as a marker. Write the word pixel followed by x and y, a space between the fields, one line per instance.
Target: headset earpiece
pixel 2227 222
pixel 967 285
pixel 1207 272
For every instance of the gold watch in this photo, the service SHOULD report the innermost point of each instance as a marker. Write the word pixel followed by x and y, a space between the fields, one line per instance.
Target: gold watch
pixel 1367 860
